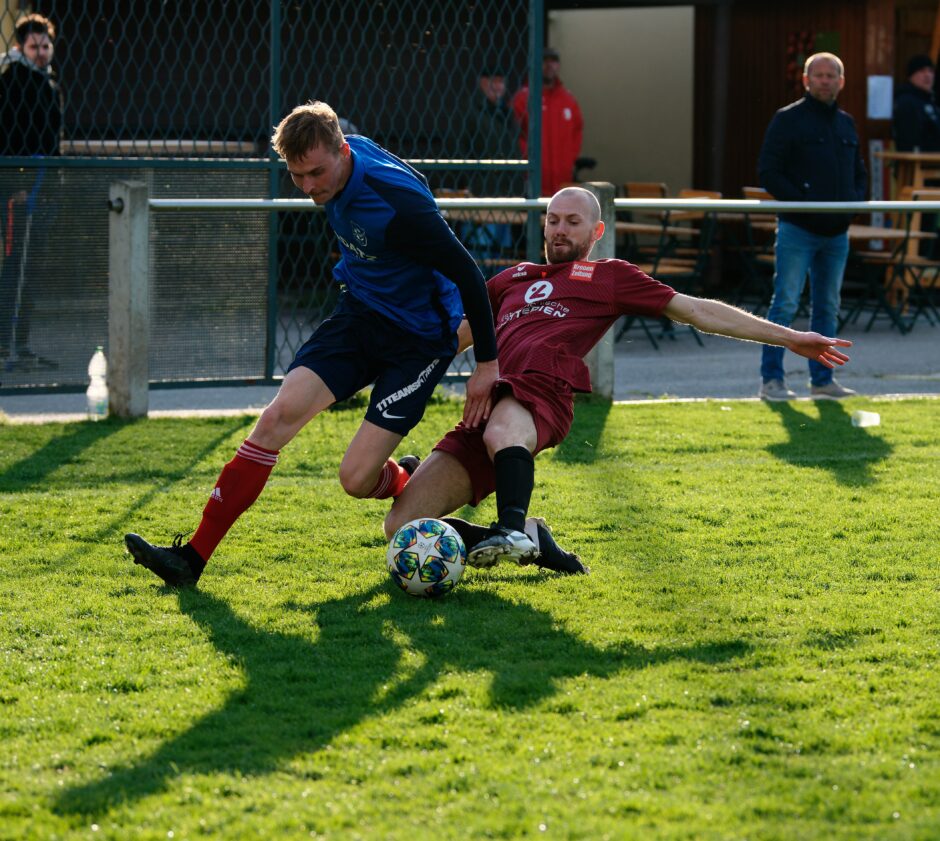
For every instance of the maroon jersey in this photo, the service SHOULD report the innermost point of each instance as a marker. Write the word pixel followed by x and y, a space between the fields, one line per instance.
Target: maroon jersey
pixel 549 316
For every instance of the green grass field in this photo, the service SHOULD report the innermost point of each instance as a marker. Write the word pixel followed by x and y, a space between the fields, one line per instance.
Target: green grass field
pixel 754 656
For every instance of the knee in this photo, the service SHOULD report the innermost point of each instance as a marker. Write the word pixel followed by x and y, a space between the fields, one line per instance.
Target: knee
pixel 354 482
pixel 495 438
pixel 270 424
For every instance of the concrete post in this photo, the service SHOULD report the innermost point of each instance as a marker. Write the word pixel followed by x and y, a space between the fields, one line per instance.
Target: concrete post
pixel 128 299
pixel 600 360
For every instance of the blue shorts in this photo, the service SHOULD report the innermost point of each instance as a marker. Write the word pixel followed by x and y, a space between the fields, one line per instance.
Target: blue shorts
pixel 356 347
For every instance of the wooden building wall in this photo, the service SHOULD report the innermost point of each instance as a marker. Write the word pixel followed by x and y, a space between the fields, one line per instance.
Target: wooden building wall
pixel 764 75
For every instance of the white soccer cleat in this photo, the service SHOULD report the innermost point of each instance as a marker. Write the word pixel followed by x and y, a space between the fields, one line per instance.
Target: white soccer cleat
pixel 502 543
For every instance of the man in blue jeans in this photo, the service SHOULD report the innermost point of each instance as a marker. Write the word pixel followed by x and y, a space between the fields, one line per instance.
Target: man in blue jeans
pixel 810 153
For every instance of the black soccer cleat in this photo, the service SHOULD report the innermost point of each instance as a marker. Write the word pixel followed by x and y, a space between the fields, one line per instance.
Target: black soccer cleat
pixel 177 565
pixel 409 464
pixel 551 556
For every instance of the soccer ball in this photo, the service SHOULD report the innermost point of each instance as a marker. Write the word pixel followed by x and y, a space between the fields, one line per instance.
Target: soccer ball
pixel 426 557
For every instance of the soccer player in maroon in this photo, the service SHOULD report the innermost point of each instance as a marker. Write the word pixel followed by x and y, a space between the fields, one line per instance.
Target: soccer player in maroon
pixel 547 318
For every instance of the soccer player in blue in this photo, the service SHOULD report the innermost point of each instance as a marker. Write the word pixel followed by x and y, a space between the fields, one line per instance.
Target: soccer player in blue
pixel 407 284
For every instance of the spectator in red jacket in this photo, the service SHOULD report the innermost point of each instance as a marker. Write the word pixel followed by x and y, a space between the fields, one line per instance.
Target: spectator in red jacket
pixel 562 125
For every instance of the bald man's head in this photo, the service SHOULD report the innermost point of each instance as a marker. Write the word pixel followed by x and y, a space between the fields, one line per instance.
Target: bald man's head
pixel 572 225
pixel 588 202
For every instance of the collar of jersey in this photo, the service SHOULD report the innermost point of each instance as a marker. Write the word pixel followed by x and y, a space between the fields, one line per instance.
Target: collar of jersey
pixel 352 185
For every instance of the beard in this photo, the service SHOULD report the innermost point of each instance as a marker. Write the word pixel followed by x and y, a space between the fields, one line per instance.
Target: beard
pixel 566 250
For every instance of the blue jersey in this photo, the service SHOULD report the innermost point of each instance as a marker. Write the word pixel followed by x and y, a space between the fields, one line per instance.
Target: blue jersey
pixel 395 244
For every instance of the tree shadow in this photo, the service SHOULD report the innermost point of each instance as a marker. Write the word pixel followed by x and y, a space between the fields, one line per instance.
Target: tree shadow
pixel 31 472
pixel 299 695
pixel 829 441
pixel 590 418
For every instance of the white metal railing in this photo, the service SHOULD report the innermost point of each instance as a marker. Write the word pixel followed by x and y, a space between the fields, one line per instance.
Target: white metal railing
pixel 713 205
pixel 129 286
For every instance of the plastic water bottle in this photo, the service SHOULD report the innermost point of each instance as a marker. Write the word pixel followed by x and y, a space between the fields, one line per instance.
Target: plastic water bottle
pixel 861 418
pixel 97 392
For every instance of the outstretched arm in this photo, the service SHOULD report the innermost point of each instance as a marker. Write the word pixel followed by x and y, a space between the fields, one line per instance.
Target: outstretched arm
pixel 725 320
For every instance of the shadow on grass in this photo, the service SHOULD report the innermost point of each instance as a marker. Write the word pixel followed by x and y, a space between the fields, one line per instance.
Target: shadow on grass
pixel 119 522
pixel 829 441
pixel 590 418
pixel 30 472
pixel 300 695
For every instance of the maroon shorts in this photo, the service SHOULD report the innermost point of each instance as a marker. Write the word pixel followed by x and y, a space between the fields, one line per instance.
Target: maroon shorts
pixel 551 404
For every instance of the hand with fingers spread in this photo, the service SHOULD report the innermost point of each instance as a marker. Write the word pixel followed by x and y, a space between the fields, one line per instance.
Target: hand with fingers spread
pixel 820 348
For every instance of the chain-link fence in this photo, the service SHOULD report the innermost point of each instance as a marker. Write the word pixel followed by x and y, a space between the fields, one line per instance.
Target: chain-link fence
pixel 184 96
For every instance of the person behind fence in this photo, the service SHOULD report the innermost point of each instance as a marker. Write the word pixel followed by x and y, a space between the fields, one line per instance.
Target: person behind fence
pixel 30 100
pixel 562 124
pixel 31 121
pixel 489 133
pixel 810 153
pixel 915 126
pixel 547 318
pixel 407 284
pixel 915 122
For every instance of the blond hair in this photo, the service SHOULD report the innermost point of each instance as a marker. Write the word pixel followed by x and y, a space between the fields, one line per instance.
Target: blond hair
pixel 306 127
pixel 828 57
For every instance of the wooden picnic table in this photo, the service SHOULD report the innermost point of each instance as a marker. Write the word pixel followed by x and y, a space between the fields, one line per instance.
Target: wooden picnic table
pixel 911 168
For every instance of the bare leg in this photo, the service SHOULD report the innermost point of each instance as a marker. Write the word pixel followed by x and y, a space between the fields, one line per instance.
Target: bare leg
pixel 365 459
pixel 301 397
pixel 440 485
pixel 510 437
pixel 510 425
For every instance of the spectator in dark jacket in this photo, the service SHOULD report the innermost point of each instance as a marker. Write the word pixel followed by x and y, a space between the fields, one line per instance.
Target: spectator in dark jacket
pixel 490 132
pixel 810 153
pixel 916 123
pixel 30 124
pixel 30 103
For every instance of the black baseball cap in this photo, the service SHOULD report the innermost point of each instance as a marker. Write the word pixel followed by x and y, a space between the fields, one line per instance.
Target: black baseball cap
pixel 551 52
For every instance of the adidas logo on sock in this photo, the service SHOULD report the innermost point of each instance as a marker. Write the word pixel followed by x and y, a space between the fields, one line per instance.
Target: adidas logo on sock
pixel 216 495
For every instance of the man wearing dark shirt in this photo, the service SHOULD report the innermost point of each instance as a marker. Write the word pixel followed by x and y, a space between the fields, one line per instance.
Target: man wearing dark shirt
pixel 407 285
pixel 915 121
pixel 810 153
pixel 547 318
pixel 30 125
pixel 30 101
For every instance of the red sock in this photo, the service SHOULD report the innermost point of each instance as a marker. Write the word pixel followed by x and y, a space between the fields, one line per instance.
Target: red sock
pixel 392 481
pixel 238 486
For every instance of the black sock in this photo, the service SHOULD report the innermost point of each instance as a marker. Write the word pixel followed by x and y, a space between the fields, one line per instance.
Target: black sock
pixel 515 479
pixel 470 533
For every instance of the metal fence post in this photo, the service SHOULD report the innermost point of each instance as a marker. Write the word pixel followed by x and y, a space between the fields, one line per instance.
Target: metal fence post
pixel 274 186
pixel 128 299
pixel 534 144
pixel 600 360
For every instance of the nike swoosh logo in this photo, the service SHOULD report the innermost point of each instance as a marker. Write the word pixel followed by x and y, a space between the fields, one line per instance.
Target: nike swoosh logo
pixel 385 414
